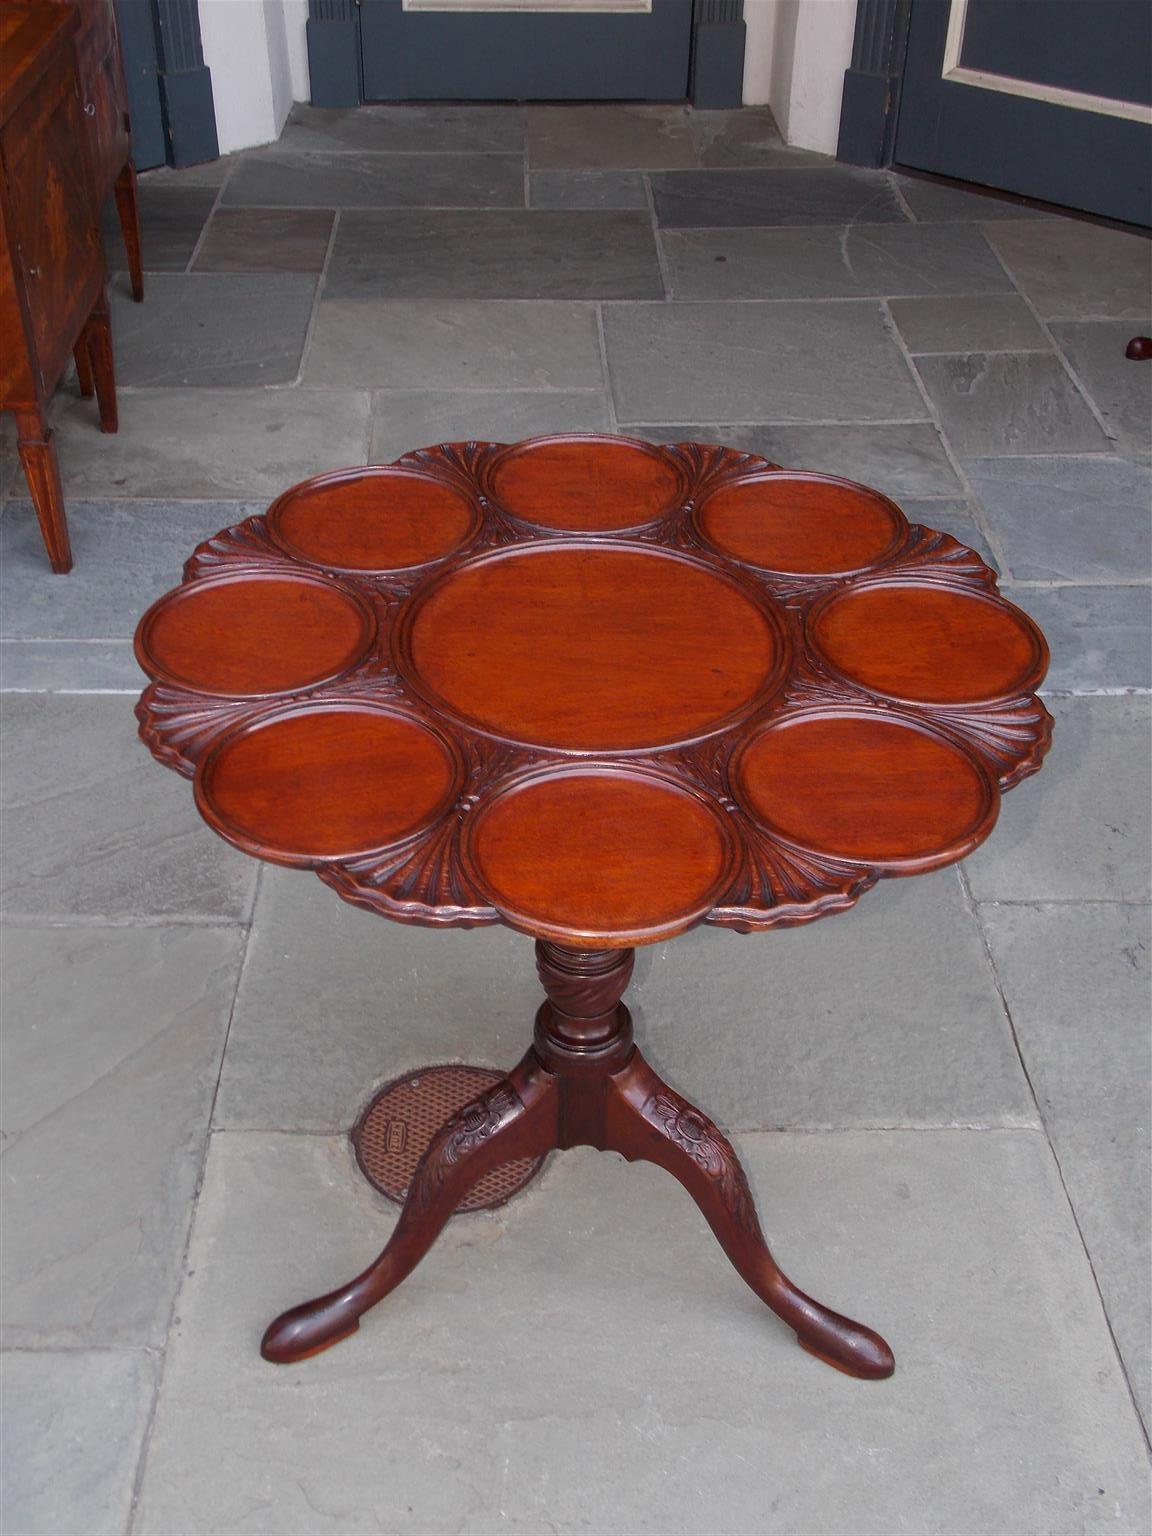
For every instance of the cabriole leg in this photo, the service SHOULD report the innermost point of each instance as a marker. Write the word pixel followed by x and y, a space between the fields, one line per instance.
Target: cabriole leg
pixel 645 1119
pixel 513 1119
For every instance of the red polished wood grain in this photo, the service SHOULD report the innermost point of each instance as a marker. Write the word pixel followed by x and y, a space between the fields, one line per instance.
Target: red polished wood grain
pixel 311 630
pixel 327 781
pixel 599 691
pixel 585 484
pixel 108 139
pixel 595 647
pixel 895 701
pixel 891 793
pixel 638 855
pixel 801 524
pixel 52 300
pixel 375 519
pixel 929 643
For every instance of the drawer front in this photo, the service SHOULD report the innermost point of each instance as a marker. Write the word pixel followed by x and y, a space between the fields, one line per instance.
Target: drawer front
pixel 54 230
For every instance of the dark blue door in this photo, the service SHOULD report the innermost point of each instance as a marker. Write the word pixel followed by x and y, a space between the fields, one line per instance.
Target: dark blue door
pixel 1049 98
pixel 632 50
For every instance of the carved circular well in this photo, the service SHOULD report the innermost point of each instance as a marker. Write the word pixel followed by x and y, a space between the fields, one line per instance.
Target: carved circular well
pixel 258 632
pixel 801 524
pixel 327 781
pixel 618 857
pixel 592 647
pixel 866 787
pixel 381 518
pixel 929 644
pixel 585 484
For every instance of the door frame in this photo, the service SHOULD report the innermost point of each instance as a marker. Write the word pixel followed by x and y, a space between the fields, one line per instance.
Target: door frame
pixel 716 68
pixel 871 101
pixel 170 102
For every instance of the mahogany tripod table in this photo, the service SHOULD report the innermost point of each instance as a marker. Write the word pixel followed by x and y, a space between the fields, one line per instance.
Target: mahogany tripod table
pixel 599 691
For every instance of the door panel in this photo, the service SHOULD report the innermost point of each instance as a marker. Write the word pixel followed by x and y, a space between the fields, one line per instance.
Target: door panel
pixel 1048 98
pixel 517 55
pixel 1100 47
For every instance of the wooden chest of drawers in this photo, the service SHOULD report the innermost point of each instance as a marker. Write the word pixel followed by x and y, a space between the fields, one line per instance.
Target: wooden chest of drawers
pixel 105 103
pixel 52 295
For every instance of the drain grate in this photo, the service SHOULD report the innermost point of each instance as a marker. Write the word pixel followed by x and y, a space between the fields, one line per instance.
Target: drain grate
pixel 390 1136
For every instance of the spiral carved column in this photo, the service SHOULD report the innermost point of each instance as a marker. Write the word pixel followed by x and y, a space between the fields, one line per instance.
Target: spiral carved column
pixel 583 1031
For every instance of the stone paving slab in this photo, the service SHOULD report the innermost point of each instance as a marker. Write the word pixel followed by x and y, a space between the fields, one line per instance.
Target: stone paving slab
pixel 1077 270
pixel 335 1001
pixel 1009 403
pixel 855 261
pixel 209 173
pixel 745 136
pixel 171 220
pixel 69 666
pixel 934 202
pixel 237 443
pixel 455 345
pixel 494 254
pixel 92 827
pixel 1077 981
pixel 1081 830
pixel 587 189
pixel 265 240
pixel 111 1050
pixel 888 1015
pixel 319 179
pixel 1120 388
pixel 584 1359
pixel 127 554
pixel 609 137
pixel 213 330
pixel 902 460
pixel 405 419
pixel 1100 638
pixel 826 194
pixel 957 518
pixel 1068 518
pixel 410 128
pixel 987 323
pixel 72 1428
pixel 725 362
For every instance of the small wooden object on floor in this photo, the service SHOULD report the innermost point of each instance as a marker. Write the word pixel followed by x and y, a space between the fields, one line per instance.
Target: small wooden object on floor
pixel 53 304
pixel 599 691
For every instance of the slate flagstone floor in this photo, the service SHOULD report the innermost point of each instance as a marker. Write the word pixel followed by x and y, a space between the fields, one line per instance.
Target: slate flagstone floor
pixel 942 1097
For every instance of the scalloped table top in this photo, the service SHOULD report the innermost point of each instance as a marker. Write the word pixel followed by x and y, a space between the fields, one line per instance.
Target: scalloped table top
pixel 594 689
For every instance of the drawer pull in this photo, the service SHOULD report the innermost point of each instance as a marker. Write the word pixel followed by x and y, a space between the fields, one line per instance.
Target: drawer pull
pixel 89 109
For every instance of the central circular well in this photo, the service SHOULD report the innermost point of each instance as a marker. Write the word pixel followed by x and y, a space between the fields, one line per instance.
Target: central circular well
pixel 604 647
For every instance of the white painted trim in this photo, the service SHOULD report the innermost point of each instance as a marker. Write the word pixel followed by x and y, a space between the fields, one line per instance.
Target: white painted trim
pixel 1057 95
pixel 954 42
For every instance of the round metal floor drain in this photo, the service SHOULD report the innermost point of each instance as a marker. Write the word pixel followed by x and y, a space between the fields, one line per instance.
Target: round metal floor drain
pixel 390 1136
